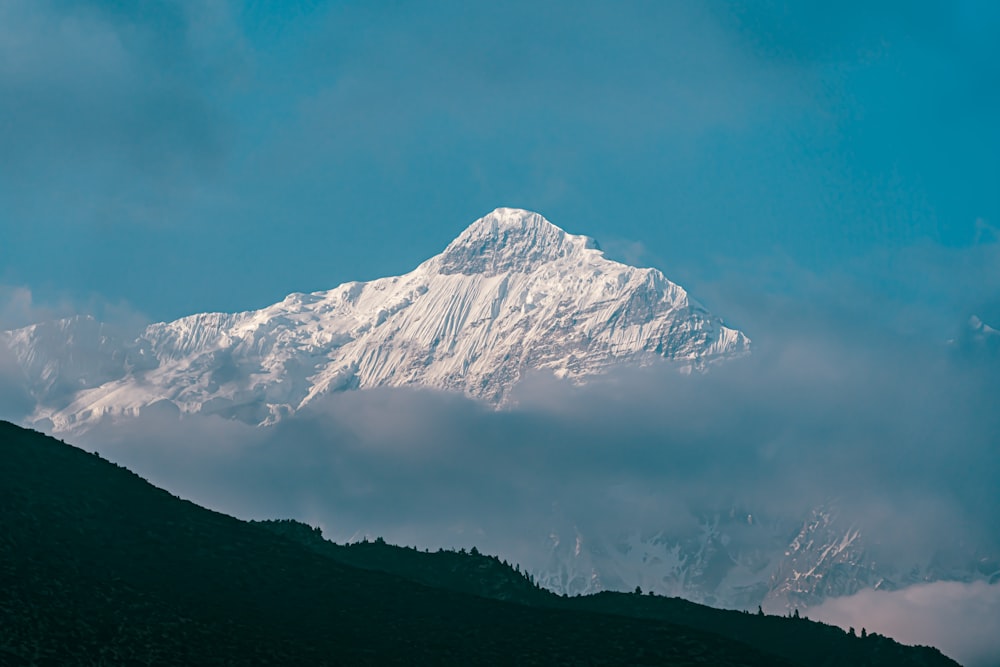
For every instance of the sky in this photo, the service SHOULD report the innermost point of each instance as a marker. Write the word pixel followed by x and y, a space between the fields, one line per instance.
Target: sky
pixel 190 156
pixel 824 177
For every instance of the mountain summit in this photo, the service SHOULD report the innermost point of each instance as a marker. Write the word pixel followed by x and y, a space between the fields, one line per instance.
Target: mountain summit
pixel 512 293
pixel 510 240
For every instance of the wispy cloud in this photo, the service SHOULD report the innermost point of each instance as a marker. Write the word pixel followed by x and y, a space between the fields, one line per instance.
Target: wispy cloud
pixel 21 307
pixel 958 618
pixel 113 112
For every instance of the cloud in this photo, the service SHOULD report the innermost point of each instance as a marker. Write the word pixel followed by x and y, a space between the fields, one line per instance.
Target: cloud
pixel 985 232
pixel 15 401
pixel 17 308
pixel 958 618
pixel 840 399
pixel 901 438
pixel 514 100
pixel 112 110
pixel 909 457
pixel 491 69
pixel 920 293
pixel 20 307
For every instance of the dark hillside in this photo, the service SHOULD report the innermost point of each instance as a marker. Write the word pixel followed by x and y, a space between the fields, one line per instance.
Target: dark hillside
pixel 99 567
pixel 466 572
pixel 797 640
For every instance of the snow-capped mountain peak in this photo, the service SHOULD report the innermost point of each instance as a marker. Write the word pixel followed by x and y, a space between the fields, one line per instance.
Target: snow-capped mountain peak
pixel 511 293
pixel 510 239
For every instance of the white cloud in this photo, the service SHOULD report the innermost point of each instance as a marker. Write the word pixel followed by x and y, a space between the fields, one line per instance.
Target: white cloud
pixel 17 307
pixel 20 307
pixel 961 619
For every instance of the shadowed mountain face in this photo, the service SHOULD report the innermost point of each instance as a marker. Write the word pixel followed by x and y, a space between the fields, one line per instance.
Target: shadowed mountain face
pixel 97 566
pixel 513 293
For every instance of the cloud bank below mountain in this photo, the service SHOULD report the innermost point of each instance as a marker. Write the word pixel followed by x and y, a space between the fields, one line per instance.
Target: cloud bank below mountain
pixel 958 618
pixel 837 401
pixel 902 436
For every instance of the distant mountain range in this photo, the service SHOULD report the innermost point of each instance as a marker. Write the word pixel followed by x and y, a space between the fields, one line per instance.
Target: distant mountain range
pixel 99 567
pixel 512 293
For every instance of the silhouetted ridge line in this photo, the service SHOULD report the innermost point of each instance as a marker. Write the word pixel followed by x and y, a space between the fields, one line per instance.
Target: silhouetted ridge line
pixel 98 566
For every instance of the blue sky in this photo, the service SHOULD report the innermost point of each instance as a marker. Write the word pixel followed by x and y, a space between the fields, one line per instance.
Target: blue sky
pixel 192 156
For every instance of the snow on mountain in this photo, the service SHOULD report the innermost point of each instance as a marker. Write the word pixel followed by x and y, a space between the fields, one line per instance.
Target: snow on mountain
pixel 723 559
pixel 512 293
pixel 738 559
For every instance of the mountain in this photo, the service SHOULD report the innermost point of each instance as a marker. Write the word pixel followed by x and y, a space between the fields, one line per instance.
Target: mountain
pixel 512 293
pixel 737 559
pixel 99 567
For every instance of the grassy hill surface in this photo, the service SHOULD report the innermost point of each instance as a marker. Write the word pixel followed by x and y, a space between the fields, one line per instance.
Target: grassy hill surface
pixel 99 567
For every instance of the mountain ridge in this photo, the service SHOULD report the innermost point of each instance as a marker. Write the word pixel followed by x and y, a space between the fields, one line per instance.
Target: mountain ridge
pixel 511 293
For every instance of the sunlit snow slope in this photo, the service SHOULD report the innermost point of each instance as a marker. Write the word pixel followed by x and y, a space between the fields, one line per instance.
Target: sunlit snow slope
pixel 512 293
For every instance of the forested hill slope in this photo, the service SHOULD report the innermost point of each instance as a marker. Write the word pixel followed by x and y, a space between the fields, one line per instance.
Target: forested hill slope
pixel 99 567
